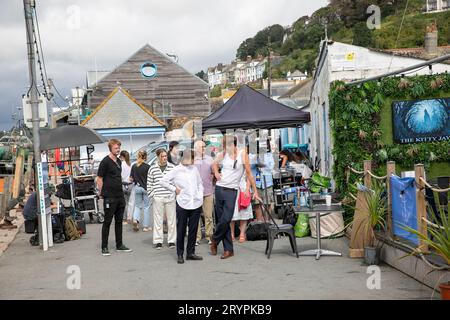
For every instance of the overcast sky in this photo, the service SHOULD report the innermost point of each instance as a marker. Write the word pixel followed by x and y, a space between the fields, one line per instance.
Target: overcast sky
pixel 78 34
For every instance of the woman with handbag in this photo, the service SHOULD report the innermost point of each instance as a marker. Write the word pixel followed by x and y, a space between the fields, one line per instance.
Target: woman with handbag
pixel 234 163
pixel 243 209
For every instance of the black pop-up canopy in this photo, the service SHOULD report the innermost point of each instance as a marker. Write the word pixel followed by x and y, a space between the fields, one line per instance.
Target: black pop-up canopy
pixel 249 109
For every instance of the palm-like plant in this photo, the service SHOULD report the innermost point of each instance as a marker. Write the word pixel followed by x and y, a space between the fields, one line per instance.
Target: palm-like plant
pixel 437 238
pixel 438 235
pixel 376 209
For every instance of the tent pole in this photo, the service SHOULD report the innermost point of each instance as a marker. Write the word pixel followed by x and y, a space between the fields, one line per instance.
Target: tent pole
pixel 55 167
pixel 71 181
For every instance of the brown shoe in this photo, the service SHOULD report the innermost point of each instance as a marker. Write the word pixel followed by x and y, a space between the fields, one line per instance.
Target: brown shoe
pixel 213 247
pixel 227 254
pixel 135 226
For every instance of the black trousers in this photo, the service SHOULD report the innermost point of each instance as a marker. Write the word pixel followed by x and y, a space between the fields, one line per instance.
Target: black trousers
pixel 187 218
pixel 113 207
pixel 225 203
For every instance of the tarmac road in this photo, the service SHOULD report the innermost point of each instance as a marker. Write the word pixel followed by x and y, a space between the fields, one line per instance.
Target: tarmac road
pixel 29 273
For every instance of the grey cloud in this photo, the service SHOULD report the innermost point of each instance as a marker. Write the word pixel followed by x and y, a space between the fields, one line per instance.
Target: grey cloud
pixel 201 32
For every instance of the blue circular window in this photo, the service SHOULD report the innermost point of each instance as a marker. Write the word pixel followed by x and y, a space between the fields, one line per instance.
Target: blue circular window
pixel 149 70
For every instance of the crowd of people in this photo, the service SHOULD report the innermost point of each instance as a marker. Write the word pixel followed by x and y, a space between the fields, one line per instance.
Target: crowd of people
pixel 179 188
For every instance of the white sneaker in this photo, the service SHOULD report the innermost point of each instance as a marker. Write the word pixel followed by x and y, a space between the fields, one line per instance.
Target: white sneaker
pixel 197 243
pixel 147 229
pixel 209 242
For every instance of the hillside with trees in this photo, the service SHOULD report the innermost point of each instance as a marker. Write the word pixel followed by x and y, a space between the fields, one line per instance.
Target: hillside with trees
pixel 345 21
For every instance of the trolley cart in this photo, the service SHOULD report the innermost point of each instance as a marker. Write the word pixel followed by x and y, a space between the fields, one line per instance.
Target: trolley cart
pixel 85 196
pixel 282 180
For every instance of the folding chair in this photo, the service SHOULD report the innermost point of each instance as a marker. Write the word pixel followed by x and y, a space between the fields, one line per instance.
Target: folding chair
pixel 274 230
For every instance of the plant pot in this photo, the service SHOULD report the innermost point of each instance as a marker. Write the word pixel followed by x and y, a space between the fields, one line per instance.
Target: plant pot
pixel 445 290
pixel 371 255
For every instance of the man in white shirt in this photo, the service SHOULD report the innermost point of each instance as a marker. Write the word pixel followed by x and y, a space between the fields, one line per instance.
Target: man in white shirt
pixel 186 182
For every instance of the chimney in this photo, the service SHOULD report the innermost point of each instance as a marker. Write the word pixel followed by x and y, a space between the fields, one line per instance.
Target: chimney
pixel 431 40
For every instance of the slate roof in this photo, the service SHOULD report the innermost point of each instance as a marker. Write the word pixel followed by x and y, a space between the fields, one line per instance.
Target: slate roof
pixel 174 85
pixel 121 110
pixel 418 53
pixel 302 84
pixel 297 73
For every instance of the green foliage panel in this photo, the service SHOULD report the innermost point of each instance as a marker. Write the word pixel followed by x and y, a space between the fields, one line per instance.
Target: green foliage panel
pixel 361 122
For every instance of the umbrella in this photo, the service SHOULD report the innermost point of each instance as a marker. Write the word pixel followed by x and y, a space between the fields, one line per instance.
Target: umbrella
pixel 68 136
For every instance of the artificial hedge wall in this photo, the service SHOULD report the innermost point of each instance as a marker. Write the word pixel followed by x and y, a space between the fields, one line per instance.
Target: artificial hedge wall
pixel 361 125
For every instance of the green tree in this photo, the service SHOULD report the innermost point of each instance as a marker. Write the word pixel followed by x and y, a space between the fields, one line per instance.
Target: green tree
pixel 258 44
pixel 201 75
pixel 215 92
pixel 247 48
pixel 362 36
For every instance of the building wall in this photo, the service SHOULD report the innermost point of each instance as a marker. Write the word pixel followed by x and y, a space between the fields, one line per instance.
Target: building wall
pixel 130 142
pixel 347 62
pixel 352 62
pixel 320 130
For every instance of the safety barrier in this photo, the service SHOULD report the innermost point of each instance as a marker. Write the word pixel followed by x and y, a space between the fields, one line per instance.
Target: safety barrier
pixel 421 203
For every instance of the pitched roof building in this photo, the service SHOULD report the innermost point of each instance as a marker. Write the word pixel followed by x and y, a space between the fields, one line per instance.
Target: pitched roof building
pixel 121 110
pixel 122 117
pixel 170 92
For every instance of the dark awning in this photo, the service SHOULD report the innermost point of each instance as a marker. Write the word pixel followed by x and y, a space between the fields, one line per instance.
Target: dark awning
pixel 249 109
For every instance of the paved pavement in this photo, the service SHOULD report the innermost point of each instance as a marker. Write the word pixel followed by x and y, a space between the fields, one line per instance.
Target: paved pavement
pixel 28 273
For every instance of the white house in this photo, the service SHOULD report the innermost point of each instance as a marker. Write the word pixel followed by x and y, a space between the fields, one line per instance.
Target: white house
pixel 237 72
pixel 438 5
pixel 340 61
pixel 251 71
pixel 240 74
pixel 216 76
pixel 260 68
pixel 296 76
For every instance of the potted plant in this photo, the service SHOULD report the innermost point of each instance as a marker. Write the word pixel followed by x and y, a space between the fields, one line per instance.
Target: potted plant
pixel 437 238
pixel 375 219
pixel 372 208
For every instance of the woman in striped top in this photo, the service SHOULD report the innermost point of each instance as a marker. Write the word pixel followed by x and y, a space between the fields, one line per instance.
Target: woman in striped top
pixel 163 201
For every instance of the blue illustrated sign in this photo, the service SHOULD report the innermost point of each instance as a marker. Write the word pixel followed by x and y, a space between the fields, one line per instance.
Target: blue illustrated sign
pixel 149 70
pixel 421 120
